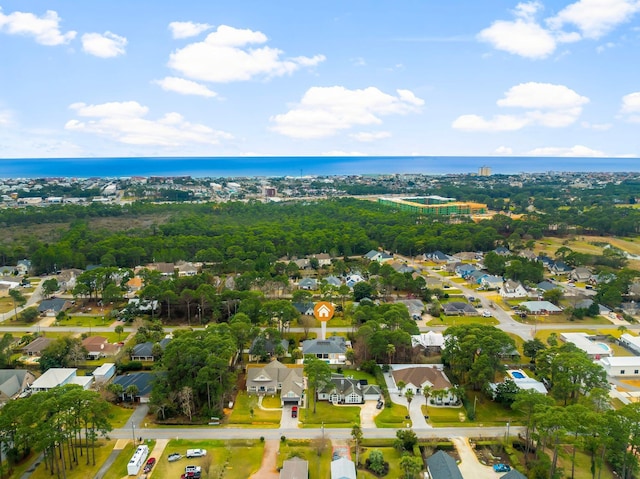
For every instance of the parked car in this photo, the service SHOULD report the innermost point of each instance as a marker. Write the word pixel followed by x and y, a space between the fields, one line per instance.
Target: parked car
pixel 486 313
pixel 294 411
pixel 150 463
pixel 379 405
pixel 174 457
pixel 196 452
pixel 501 467
pixel 192 472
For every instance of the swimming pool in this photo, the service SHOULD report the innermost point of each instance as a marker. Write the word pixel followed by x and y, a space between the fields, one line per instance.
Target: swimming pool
pixel 517 375
pixel 604 347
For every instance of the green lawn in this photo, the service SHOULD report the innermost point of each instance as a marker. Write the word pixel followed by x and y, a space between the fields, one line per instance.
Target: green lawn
pixel 560 319
pixel 319 465
pixel 235 459
pixel 360 375
pixel 241 414
pixel 119 415
pixel 390 454
pixel 330 415
pixel 392 417
pixel 458 320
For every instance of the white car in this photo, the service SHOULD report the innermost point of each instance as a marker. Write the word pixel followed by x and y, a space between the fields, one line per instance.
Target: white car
pixel 196 452
pixel 486 313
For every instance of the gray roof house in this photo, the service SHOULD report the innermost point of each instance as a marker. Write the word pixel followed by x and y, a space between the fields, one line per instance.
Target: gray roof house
pixel 275 377
pixel 295 468
pixel 491 281
pixel 308 283
pixel 13 382
pixel 35 347
pixel 442 466
pixel 459 308
pixel 379 256
pixel 144 351
pixel 546 286
pixel 580 274
pixel 51 307
pixel 142 381
pixel 332 350
pixel 343 468
pixel 343 390
pixel 333 281
pixel 514 474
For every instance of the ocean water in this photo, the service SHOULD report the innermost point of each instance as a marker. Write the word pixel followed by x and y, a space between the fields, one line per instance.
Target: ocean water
pixel 299 166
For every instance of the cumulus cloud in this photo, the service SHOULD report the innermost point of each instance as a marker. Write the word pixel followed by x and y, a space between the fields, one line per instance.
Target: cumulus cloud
pixel 579 151
pixel 595 18
pixel 366 136
pixel 227 55
pixel 631 107
pixel 530 38
pixel 503 150
pixel 325 111
pixel 103 45
pixel 6 118
pixel 45 29
pixel 546 104
pixel 188 29
pixel 125 122
pixel 185 87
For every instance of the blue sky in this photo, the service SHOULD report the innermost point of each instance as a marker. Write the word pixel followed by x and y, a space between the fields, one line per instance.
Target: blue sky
pixel 243 78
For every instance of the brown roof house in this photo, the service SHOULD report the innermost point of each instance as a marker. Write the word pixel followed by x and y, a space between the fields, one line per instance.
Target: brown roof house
pixel 432 378
pixel 35 347
pixel 99 347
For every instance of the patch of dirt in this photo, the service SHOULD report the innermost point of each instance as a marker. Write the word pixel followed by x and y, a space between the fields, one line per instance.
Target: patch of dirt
pixel 489 456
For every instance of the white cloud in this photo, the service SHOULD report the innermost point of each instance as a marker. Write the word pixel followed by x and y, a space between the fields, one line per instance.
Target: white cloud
pixel 602 48
pixel 104 45
pixel 6 118
pixel 366 136
pixel 547 105
pixel 45 29
pixel 631 107
pixel 343 153
pixel 188 29
pixel 125 123
pixel 503 150
pixel 324 111
pixel 579 151
pixel 225 55
pixel 595 18
pixel 185 87
pixel 527 37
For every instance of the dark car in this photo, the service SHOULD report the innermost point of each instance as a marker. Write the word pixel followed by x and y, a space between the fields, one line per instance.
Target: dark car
pixel 379 405
pixel 150 463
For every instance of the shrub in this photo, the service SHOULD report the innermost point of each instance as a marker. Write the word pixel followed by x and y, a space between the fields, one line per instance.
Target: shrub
pixel 376 463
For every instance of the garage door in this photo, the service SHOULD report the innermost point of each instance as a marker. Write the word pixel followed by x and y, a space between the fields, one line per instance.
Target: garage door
pixel 290 402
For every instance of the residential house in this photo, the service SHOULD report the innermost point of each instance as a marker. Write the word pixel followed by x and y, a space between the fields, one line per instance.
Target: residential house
pixel 141 382
pixel 35 347
pixel 438 257
pixel 99 347
pixel 459 308
pixel 343 468
pixel 165 269
pixel 465 256
pixel 6 286
pixel 540 307
pixel 581 275
pixel 415 307
pixel 185 268
pixel 7 270
pixel 546 261
pixel 332 350
pixel 588 344
pixel 144 305
pixel 55 377
pixel 308 284
pixel 528 254
pixel 144 351
pixel 544 286
pixel 419 378
pixel 353 279
pixel 587 303
pixel 344 390
pixel 295 468
pixel 442 466
pixel 262 348
pixel 23 267
pixel 403 268
pixel 452 266
pixel 634 290
pixel 305 308
pixel 433 282
pixel 135 284
pixel 491 282
pixel 630 307
pixel 14 382
pixel 302 263
pixel 323 259
pixel 464 270
pixel 477 276
pixel 512 289
pixel 275 377
pixel 502 251
pixel 103 373
pixel 560 267
pixel 621 366
pixel 51 307
pixel 431 341
pixel 630 342
pixel 379 256
pixel 514 474
pixel 333 281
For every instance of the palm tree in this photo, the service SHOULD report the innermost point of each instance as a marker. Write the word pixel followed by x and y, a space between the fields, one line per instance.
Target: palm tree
pixel 409 397
pixel 391 350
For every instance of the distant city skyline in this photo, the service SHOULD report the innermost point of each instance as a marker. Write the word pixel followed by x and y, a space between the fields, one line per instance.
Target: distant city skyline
pixel 331 78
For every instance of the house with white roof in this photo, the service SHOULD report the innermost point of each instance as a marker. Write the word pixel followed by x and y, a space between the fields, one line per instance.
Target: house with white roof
pixel 587 343
pixel 429 340
pixel 540 307
pixel 343 468
pixel 55 377
pixel 513 289
pixel 630 342
pixel 621 366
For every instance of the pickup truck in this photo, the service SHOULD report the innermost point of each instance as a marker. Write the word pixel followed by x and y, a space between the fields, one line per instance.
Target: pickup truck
pixel 196 452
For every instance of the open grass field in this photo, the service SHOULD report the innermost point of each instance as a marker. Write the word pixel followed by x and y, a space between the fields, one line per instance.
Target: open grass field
pixel 584 244
pixel 241 413
pixel 234 459
pixel 392 417
pixel 329 415
pixel 458 320
pixel 561 318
